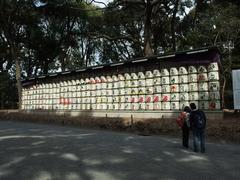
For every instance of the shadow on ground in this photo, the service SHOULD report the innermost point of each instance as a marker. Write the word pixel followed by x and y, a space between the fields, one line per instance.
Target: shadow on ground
pixel 45 152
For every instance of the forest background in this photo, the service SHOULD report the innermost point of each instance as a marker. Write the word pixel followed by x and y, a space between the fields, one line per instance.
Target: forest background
pixel 46 36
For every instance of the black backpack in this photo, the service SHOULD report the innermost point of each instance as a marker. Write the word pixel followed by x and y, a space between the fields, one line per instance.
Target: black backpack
pixel 199 120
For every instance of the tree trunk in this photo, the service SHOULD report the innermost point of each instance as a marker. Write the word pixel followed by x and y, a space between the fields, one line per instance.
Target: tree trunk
pixel 223 92
pixel 14 52
pixel 148 30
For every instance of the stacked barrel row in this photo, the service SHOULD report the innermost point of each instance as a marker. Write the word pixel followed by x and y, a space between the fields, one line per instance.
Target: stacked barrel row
pixel 159 89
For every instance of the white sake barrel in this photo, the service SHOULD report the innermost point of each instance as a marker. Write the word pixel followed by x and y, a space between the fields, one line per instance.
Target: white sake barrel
pixel 141 98
pixel 103 106
pixel 202 77
pixel 127 106
pixel 121 91
pixel 115 99
pixel 109 99
pixel 134 76
pixel 79 106
pixel 157 89
pixel 149 99
pixel 127 99
pixel 115 85
pixel 193 96
pixel 165 80
pixel 134 106
pixel 173 71
pixel 148 74
pixel 141 106
pixel 165 105
pixel 121 99
pixel 98 92
pixel 134 99
pixel 110 106
pixel 109 92
pixel 214 86
pixel 157 105
pixel 121 84
pixel 174 105
pixel 103 79
pixel 88 93
pixel 141 90
pixel 213 67
pixel 99 99
pixel 94 106
pixel 98 106
pixel 141 82
pixel 141 75
pixel 174 88
pixel 165 88
pixel 103 85
pixel 127 91
pixel 73 100
pixel 214 105
pixel 174 96
pixel 121 106
pixel 104 99
pixel 183 104
pixel 202 69
pixel 149 82
pixel 149 106
pixel 157 98
pixel 127 76
pixel 121 77
pixel 103 92
pixel 156 73
pixel 214 95
pixel 93 100
pixel 193 87
pixel 88 106
pixel 165 97
pixel 203 95
pixel 83 106
pixel 134 83
pixel 149 90
pixel 183 88
pixel 79 94
pixel 192 70
pixel 174 79
pixel 182 71
pixel 115 92
pixel 192 78
pixel 203 105
pixel 93 93
pixel 183 97
pixel 164 72
pixel 213 76
pixel 157 81
pixel 109 85
pixel 203 86
pixel 127 83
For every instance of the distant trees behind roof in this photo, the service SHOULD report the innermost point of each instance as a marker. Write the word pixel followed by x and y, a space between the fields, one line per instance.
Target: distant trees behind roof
pixel 43 36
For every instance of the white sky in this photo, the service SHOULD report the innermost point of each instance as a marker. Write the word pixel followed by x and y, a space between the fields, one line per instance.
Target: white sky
pixel 104 1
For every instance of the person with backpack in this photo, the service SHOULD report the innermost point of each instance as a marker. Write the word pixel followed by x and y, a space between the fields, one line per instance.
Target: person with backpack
pixel 198 124
pixel 184 123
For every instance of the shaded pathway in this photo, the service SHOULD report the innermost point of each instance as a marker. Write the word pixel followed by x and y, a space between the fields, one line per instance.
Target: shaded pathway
pixel 40 151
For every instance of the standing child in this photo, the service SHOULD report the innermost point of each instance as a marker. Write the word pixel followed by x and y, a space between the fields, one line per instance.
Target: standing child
pixel 184 123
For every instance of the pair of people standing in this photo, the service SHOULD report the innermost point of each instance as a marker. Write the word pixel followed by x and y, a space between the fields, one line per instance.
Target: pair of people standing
pixel 194 119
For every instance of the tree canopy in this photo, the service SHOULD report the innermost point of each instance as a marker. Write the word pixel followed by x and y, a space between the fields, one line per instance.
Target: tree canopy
pixel 42 36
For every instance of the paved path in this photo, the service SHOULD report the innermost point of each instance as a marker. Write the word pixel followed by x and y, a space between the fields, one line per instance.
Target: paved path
pixel 37 151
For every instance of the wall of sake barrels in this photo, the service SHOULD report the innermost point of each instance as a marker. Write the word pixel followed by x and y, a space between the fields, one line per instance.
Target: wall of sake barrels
pixel 140 88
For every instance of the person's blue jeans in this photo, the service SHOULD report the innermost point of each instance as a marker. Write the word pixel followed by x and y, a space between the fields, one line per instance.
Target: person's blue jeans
pixel 199 140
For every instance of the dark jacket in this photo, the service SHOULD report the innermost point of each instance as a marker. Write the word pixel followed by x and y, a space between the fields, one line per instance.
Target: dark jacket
pixel 192 118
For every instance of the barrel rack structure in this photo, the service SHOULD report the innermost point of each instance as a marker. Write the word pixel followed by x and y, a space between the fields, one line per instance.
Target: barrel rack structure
pixel 146 87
